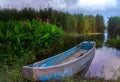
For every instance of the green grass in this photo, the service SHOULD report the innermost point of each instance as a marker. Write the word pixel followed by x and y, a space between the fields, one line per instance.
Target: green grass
pixel 91 80
pixel 8 74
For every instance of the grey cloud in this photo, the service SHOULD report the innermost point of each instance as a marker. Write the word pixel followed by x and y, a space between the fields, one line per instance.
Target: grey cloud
pixel 73 6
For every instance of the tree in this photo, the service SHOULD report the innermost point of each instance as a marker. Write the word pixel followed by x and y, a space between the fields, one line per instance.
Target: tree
pixel 114 26
pixel 100 23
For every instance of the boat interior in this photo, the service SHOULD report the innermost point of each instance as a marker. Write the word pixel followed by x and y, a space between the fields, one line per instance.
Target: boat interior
pixel 71 54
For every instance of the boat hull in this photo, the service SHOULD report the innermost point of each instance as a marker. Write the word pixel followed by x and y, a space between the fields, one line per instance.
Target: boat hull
pixel 59 71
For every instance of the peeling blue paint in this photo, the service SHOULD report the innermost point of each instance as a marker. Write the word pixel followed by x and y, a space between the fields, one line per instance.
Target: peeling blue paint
pixel 56 59
pixel 46 73
pixel 62 56
pixel 58 75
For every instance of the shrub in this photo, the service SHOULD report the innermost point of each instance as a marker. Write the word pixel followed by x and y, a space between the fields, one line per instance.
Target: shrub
pixel 115 42
pixel 21 41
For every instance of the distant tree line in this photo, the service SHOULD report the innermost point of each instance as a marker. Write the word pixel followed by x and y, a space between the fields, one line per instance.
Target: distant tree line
pixel 114 26
pixel 78 23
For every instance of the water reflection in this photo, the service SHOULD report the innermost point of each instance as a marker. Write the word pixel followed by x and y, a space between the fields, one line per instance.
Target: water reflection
pixel 106 63
pixel 105 37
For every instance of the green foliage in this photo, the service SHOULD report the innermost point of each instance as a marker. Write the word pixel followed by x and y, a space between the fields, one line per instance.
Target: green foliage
pixel 99 43
pixel 114 26
pixel 10 75
pixel 100 23
pixel 22 41
pixel 13 14
pixel 114 42
pixel 70 23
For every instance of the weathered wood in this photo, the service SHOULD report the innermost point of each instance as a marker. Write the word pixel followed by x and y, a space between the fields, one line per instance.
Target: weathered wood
pixel 77 54
pixel 62 65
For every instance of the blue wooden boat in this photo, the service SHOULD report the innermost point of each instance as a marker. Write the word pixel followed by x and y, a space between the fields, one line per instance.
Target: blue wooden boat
pixel 63 65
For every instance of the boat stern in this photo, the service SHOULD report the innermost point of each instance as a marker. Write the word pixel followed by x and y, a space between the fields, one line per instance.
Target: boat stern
pixel 28 73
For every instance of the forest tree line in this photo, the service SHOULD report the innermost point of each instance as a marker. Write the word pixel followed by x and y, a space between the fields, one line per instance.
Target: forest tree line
pixel 114 26
pixel 78 23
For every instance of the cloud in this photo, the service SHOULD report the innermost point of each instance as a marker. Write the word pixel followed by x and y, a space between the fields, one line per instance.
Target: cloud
pixel 93 7
pixel 88 6
pixel 64 5
pixel 97 4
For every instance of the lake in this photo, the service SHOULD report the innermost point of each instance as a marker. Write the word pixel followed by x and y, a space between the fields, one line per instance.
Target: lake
pixel 106 63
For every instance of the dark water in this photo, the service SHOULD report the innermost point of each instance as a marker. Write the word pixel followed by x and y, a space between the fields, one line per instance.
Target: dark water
pixel 106 63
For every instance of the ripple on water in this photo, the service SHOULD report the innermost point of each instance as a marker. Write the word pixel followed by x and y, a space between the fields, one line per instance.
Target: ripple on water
pixel 106 63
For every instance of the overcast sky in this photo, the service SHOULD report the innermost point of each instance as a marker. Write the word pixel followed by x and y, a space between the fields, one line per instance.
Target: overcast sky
pixel 106 8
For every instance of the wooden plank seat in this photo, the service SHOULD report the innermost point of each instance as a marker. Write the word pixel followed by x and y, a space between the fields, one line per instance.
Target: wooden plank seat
pixel 76 55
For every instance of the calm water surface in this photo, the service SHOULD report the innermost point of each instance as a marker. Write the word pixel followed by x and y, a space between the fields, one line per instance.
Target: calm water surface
pixel 106 63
